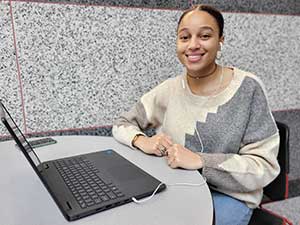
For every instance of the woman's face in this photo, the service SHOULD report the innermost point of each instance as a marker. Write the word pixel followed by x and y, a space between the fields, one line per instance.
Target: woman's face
pixel 198 42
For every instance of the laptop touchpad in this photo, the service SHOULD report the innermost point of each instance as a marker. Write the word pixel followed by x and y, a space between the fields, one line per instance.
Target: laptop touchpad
pixel 126 172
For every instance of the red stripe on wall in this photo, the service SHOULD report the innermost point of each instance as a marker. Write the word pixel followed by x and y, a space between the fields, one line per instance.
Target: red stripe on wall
pixel 18 66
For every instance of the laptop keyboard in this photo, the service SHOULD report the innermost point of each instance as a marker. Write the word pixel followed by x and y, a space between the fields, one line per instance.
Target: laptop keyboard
pixel 84 182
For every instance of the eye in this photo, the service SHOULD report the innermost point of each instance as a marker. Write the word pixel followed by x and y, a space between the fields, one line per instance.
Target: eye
pixel 205 36
pixel 184 37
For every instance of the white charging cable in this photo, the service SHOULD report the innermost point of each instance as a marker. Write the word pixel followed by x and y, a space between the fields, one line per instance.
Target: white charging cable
pixel 148 198
pixel 175 184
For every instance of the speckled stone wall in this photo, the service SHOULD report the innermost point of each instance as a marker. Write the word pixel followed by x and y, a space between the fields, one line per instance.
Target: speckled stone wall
pixel 80 66
pixel 286 7
pixel 269 46
pixel 10 91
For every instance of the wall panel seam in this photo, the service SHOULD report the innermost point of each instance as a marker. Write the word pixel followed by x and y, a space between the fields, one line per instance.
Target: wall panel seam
pixel 18 66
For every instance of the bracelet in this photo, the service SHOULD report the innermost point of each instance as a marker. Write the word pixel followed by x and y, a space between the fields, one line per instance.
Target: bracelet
pixel 134 140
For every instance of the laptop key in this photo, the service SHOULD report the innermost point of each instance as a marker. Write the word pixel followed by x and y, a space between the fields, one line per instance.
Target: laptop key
pixel 90 203
pixel 111 195
pixel 83 205
pixel 104 198
pixel 120 194
pixel 98 200
pixel 84 182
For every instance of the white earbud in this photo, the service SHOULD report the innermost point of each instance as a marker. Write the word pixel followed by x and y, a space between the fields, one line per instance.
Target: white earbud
pixel 183 85
pixel 221 46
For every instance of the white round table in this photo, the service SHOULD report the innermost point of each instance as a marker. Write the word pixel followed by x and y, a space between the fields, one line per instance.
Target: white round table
pixel 25 201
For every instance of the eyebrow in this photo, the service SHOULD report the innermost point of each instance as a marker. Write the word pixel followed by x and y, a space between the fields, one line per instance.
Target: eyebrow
pixel 201 28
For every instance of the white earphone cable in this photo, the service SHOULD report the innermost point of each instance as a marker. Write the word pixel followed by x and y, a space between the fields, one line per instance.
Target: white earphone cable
pixel 158 186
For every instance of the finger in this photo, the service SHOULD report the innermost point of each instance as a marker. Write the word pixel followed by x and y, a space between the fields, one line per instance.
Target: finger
pixel 170 160
pixel 175 163
pixel 167 141
pixel 170 152
pixel 166 153
pixel 163 150
pixel 172 163
pixel 160 146
pixel 157 152
pixel 159 149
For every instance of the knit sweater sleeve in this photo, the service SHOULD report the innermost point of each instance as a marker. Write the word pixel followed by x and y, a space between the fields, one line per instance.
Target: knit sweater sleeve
pixel 148 112
pixel 255 165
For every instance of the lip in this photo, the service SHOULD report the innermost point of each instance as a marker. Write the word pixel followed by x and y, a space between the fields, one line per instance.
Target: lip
pixel 194 57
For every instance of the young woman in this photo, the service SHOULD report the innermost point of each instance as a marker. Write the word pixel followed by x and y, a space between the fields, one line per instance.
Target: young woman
pixel 213 119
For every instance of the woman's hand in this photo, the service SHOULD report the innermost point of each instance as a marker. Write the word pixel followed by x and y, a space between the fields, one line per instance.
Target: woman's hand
pixel 156 145
pixel 179 156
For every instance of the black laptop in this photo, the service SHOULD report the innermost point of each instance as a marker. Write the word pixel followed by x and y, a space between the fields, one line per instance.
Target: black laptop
pixel 89 183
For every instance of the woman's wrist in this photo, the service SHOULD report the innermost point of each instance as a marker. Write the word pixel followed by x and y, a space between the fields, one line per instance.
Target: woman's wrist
pixel 200 162
pixel 135 141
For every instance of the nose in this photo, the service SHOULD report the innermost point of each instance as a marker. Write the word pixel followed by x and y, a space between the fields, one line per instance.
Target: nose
pixel 194 43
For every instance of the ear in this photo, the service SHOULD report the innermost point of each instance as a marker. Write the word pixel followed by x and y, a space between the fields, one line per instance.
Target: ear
pixel 221 45
pixel 221 42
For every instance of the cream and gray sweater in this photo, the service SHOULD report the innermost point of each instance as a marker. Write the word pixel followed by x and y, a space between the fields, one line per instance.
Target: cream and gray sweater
pixel 239 135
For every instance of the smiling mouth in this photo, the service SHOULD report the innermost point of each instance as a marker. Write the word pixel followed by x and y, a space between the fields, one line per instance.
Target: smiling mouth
pixel 195 57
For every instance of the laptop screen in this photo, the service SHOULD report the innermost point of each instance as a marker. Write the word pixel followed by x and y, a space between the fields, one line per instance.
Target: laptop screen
pixel 17 135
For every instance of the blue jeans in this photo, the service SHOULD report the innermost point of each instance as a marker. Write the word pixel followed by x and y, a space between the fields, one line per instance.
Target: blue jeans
pixel 230 211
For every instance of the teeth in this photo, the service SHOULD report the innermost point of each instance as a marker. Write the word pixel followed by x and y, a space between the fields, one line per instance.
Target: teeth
pixel 194 57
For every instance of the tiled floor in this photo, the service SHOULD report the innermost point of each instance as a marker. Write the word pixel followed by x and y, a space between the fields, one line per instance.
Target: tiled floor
pixel 289 208
pixel 294 188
